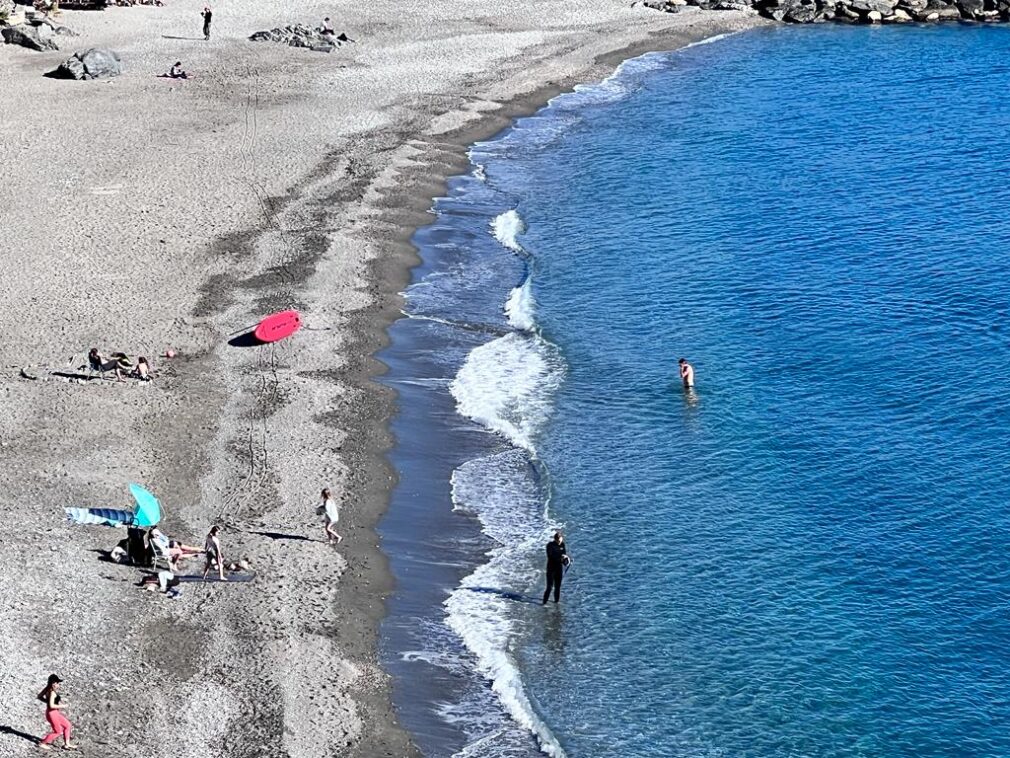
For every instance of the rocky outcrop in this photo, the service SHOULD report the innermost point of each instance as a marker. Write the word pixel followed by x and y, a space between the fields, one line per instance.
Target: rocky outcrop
pixel 33 37
pixel 298 35
pixel 60 30
pixel 855 11
pixel 669 6
pixel 96 63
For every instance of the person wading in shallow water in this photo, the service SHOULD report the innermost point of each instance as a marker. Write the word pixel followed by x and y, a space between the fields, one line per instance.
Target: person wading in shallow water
pixel 54 715
pixel 557 559
pixel 686 373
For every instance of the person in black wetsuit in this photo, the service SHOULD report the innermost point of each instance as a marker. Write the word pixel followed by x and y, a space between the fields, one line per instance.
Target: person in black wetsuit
pixel 557 559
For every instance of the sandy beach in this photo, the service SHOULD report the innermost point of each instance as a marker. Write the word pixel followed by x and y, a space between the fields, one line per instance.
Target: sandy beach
pixel 144 214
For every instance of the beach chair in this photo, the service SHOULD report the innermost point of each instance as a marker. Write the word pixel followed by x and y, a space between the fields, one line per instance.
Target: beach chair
pixel 160 561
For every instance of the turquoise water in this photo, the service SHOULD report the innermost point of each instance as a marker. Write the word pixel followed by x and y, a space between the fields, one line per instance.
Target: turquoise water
pixel 807 555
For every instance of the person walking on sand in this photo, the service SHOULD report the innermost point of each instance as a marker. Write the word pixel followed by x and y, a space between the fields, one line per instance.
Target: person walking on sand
pixel 212 551
pixel 557 559
pixel 59 723
pixel 207 16
pixel 330 510
pixel 686 373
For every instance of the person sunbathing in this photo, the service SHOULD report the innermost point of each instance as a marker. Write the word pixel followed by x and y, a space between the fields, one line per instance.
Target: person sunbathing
pixel 177 551
pixel 327 29
pixel 117 362
pixel 176 71
pixel 172 549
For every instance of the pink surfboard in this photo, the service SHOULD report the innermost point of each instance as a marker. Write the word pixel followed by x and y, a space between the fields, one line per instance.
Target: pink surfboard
pixel 277 326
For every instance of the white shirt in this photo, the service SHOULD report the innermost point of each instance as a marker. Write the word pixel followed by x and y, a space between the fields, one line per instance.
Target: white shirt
pixel 332 509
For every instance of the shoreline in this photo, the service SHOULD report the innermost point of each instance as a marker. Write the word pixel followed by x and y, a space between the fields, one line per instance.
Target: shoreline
pixel 225 434
pixel 454 162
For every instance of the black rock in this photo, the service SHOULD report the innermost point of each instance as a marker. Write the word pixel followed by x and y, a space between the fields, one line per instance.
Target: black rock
pixel 31 37
pixel 96 63
pixel 971 8
pixel 298 35
pixel 801 13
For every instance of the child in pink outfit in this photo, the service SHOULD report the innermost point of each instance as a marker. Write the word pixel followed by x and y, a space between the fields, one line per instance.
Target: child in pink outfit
pixel 54 715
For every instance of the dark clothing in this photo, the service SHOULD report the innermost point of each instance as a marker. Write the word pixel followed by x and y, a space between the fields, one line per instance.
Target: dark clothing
pixel 556 557
pixel 206 24
pixel 137 547
pixel 554 577
pixel 556 554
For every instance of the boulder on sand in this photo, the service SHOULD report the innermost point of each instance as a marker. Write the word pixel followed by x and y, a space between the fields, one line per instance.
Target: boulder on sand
pixel 57 29
pixel 298 35
pixel 96 63
pixel 32 37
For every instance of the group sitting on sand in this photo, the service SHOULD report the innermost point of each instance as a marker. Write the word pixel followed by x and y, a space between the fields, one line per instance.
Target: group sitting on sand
pixel 118 363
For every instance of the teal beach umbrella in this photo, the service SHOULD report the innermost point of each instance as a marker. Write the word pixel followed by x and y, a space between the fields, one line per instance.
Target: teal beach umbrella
pixel 148 511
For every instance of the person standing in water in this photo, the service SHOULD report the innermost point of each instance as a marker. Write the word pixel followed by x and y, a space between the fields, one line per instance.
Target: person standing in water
pixel 686 373
pixel 557 559
pixel 213 554
pixel 330 511
pixel 59 723
pixel 207 16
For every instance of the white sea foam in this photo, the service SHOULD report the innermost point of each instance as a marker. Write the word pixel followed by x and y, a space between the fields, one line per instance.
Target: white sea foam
pixel 507 227
pixel 507 385
pixel 709 40
pixel 521 307
pixel 502 491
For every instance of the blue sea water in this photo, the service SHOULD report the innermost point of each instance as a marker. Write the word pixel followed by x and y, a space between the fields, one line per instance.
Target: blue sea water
pixel 809 554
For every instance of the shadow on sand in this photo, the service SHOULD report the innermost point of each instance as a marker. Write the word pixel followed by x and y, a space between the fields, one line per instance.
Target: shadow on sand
pixel 279 536
pixel 4 729
pixel 246 339
pixel 76 375
pixel 506 594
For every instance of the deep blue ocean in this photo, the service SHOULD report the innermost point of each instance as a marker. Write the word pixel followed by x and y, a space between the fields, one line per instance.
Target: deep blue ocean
pixel 809 554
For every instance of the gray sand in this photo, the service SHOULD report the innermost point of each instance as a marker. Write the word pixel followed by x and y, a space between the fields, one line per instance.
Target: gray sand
pixel 142 214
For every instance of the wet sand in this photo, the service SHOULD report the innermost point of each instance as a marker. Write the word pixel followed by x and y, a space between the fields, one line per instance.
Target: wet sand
pixel 142 214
